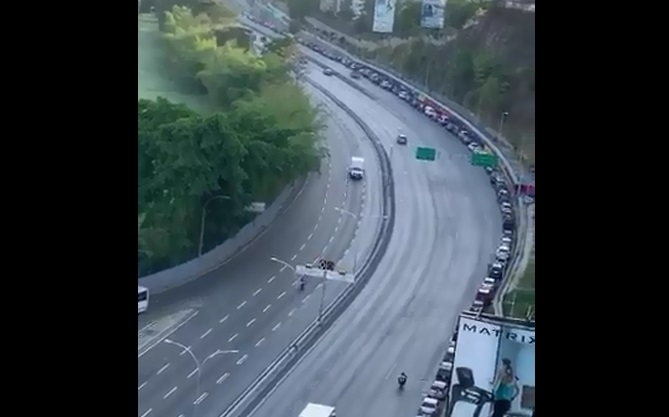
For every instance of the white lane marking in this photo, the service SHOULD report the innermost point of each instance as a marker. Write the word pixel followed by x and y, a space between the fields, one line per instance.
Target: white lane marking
pixel 259 342
pixel 325 203
pixel 256 292
pixel 161 370
pixel 222 378
pixel 193 372
pixel 170 392
pixel 328 186
pixel 201 398
pixel 223 319
pixel 205 334
pixel 310 236
pixel 332 237
pixel 339 220
pixel 281 295
pixel 264 310
pixel 290 314
pixel 293 258
pixel 241 305
pixel 276 326
pixel 184 351
pixel 154 342
pixel 283 268
pixel 272 278
pixel 234 336
pixel 146 413
pixel 302 247
pixel 242 359
pixel 318 286
pixel 142 386
pixel 304 300
pixel 181 415
pixel 250 323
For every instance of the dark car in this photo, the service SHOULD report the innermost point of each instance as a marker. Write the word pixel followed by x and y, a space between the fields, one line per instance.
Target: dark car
pixel 355 75
pixel 328 71
pixel 402 139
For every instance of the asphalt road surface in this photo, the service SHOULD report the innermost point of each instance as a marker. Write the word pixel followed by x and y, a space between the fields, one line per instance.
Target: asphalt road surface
pixel 447 227
pixel 251 304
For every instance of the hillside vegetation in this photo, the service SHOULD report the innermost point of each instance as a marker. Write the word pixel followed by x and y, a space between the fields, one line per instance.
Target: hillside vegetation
pixel 483 59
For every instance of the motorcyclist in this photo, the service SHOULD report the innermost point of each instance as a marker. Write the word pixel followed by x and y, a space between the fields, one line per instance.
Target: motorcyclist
pixel 402 379
pixel 302 283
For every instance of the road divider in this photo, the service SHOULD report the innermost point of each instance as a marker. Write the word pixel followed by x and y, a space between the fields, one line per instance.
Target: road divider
pixel 261 386
pixel 223 253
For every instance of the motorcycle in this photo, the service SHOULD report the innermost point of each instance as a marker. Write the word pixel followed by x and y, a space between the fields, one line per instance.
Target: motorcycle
pixel 301 285
pixel 401 381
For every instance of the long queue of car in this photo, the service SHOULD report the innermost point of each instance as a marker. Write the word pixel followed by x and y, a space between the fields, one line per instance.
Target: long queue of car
pixel 437 396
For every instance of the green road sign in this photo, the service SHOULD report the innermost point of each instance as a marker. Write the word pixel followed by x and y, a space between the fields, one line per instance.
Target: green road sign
pixel 484 160
pixel 426 154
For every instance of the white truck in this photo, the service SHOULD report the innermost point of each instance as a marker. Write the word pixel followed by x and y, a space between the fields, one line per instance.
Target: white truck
pixel 357 168
pixel 318 410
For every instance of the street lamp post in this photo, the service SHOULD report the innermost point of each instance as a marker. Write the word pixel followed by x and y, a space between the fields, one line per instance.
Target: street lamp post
pixel 502 119
pixel 202 219
pixel 284 263
pixel 325 275
pixel 355 242
pixel 198 364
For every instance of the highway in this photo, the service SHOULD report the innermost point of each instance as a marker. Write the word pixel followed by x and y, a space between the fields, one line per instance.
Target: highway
pixel 251 304
pixel 446 229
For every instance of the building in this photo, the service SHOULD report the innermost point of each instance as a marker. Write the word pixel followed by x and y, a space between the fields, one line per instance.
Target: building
pixel 335 6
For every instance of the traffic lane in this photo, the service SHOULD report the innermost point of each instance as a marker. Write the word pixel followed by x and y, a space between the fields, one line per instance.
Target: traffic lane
pixel 452 152
pixel 372 178
pixel 206 327
pixel 476 200
pixel 244 272
pixel 224 380
pixel 370 221
pixel 253 314
pixel 370 342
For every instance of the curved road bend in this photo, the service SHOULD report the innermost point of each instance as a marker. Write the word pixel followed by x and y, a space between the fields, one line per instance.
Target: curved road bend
pixel 446 228
pixel 255 309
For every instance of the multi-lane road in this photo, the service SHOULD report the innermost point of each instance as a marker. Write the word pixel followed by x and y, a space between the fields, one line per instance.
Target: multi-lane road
pixel 447 226
pixel 251 304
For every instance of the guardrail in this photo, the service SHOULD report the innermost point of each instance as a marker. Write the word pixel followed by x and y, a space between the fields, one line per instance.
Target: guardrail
pixel 188 271
pixel 262 386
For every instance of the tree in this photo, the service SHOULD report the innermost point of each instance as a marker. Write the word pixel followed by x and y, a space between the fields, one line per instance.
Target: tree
pixel 489 94
pixel 265 137
pixel 407 18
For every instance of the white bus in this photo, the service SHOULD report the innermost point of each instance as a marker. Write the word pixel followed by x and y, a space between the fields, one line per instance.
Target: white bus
pixel 318 410
pixel 142 299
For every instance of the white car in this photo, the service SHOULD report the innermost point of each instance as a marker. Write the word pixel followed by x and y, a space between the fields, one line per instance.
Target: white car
pixel 429 406
pixel 506 241
pixel 430 112
pixel 473 147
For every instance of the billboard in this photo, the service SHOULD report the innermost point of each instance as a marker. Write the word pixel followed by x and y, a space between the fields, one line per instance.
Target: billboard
pixel 384 16
pixel 432 15
pixel 493 368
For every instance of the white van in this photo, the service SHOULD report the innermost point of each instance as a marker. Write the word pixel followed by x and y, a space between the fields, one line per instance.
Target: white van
pixel 357 168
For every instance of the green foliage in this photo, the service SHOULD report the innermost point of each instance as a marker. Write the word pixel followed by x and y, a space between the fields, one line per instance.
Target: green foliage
pixel 345 12
pixel 407 18
pixel 458 12
pixel 265 137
